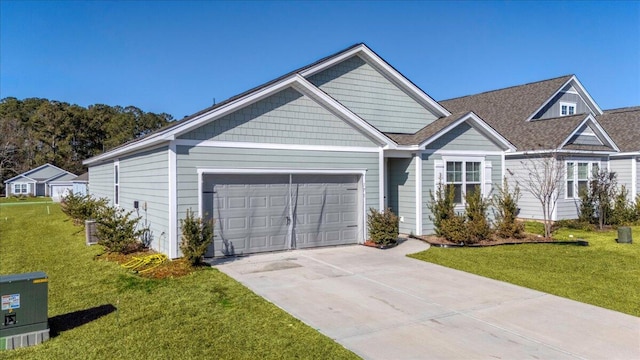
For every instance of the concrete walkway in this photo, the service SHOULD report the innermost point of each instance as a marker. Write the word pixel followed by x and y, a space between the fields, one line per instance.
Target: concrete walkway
pixel 383 305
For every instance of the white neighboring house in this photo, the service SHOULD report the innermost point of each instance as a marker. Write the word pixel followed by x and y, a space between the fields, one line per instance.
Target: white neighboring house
pixel 45 180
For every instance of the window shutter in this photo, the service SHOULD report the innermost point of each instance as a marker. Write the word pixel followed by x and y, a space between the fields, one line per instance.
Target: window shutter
pixel 487 179
pixel 438 174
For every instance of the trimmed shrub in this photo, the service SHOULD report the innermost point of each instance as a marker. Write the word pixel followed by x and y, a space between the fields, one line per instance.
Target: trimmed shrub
pixel 505 211
pixel 477 224
pixel 623 212
pixel 454 228
pixel 197 234
pixel 118 231
pixel 383 226
pixel 82 207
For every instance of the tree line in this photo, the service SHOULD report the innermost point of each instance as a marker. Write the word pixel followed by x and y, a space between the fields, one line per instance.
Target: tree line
pixel 37 131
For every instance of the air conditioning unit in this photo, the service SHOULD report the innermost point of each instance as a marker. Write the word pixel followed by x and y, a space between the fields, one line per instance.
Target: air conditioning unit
pixel 90 229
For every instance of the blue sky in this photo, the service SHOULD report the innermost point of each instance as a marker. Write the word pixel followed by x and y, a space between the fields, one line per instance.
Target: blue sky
pixel 176 57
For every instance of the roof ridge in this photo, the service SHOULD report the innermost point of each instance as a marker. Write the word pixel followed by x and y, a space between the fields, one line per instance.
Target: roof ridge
pixel 622 109
pixel 510 87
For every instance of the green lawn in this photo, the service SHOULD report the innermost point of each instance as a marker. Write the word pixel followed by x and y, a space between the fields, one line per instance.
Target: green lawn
pixel 605 273
pixel 24 200
pixel 202 315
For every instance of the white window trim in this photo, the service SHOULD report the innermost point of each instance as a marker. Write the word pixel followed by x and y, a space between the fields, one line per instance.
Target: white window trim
pixel 116 183
pixel 575 179
pixel 568 104
pixel 464 160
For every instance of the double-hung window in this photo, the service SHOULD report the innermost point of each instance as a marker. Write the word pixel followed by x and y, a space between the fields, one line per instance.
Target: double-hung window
pixel 579 173
pixel 464 176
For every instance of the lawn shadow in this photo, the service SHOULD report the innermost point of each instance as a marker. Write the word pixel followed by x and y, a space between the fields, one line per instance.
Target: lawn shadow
pixel 74 319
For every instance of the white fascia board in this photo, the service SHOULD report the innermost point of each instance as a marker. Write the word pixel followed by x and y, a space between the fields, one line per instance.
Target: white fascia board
pixel 482 126
pixel 390 73
pixel 307 88
pixel 582 93
pixel 631 153
pixel 18 176
pixel 559 151
pixel 281 171
pixel 602 135
pixel 172 133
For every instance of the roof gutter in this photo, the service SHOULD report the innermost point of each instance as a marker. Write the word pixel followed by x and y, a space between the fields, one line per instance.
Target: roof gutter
pixel 541 152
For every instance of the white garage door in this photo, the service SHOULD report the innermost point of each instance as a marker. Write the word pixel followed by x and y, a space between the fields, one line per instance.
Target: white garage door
pixel 258 213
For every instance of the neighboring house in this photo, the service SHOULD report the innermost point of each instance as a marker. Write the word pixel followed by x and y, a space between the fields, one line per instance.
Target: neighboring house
pixel 558 117
pixel 623 125
pixel 45 180
pixel 80 184
pixel 298 161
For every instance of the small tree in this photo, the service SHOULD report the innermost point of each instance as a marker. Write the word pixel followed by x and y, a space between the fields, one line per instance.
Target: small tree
pixel 477 224
pixel 383 226
pixel 442 207
pixel 542 178
pixel 505 210
pixel 118 231
pixel 587 211
pixel 197 234
pixel 602 189
pixel 623 211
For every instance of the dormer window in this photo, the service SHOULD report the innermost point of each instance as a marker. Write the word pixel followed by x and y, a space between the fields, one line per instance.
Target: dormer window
pixel 567 108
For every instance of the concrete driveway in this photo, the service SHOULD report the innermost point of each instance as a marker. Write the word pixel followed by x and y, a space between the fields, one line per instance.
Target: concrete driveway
pixel 383 305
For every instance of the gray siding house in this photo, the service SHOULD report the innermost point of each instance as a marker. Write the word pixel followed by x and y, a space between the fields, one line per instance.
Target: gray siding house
pixel 558 117
pixel 298 161
pixel 44 180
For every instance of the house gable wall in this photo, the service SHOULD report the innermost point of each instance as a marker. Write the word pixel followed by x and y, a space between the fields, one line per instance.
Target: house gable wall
pixel 366 92
pixel 287 117
pixel 552 109
pixel 585 136
pixel 464 137
pixel 44 173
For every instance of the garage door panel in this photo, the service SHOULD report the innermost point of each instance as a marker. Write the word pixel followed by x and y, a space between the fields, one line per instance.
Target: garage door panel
pixel 326 207
pixel 253 211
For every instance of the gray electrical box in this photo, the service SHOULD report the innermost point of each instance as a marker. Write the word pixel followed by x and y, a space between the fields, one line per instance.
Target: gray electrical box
pixel 24 317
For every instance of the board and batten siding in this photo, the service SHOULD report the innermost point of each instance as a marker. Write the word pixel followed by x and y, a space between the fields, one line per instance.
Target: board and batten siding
pixel 366 92
pixel 287 117
pixel 464 137
pixel 190 159
pixel 401 188
pixel 144 178
pixel 101 181
pixel 552 109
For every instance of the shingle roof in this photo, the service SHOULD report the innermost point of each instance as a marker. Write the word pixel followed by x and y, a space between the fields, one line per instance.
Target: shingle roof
pixel 623 126
pixel 426 132
pixel 506 110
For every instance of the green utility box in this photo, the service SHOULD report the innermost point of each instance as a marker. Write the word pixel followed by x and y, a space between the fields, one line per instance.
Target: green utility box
pixel 23 319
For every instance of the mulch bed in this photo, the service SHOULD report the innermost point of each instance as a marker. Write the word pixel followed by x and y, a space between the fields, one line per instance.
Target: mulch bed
pixel 527 239
pixel 382 247
pixel 168 269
